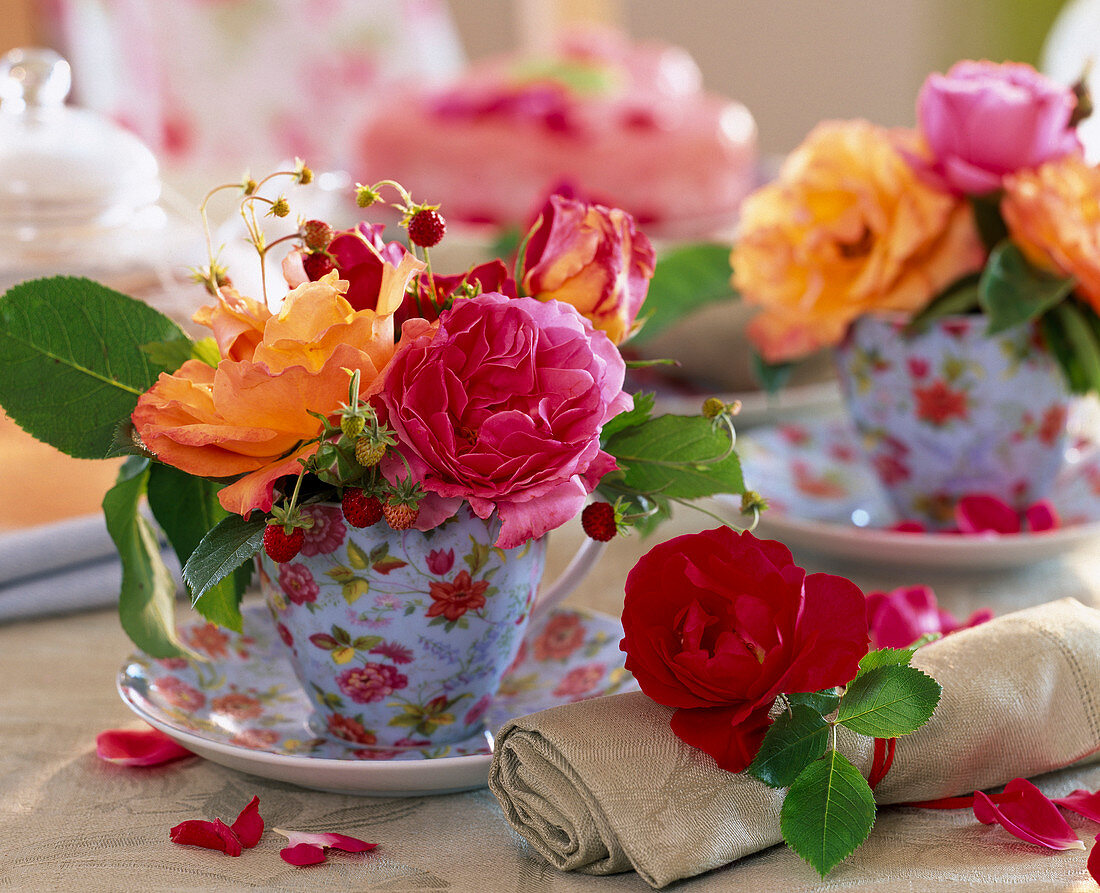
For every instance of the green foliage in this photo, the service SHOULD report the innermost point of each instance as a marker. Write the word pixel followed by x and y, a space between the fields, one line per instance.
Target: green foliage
pixel 187 508
pixel 71 365
pixel 795 740
pixel 958 298
pixel 1073 334
pixel 824 702
pixel 885 657
pixel 685 280
pixel 772 376
pixel 888 701
pixel 643 409
pixel 828 812
pixel 227 546
pixel 173 354
pixel 147 598
pixel 1013 292
pixel 988 220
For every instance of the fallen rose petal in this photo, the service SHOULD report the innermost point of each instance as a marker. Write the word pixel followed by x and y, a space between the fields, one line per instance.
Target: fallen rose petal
pixel 1082 803
pixel 909 527
pixel 1032 818
pixel 1094 860
pixel 982 513
pixel 249 825
pixel 303 854
pixel 333 841
pixel 1041 516
pixel 215 835
pixel 138 747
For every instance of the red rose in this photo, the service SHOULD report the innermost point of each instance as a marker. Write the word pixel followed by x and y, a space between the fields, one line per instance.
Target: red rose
pixel 717 624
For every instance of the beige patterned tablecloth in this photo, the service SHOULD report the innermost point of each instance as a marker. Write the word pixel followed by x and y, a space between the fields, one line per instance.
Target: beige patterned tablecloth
pixel 71 822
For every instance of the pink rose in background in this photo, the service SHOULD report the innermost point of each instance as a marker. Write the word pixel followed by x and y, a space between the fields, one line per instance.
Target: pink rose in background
pixel 360 255
pixel 983 120
pixel 897 619
pixel 591 257
pixel 501 403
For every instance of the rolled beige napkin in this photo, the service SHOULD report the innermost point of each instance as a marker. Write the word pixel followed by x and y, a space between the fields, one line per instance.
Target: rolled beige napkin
pixel 604 786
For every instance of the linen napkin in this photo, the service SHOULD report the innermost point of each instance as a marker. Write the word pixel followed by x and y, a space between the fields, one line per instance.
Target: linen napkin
pixel 604 786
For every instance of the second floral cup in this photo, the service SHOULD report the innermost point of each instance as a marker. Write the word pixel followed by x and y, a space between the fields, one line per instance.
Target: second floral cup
pixel 400 638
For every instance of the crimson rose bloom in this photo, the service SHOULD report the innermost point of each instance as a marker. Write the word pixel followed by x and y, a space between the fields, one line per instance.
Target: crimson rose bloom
pixel 717 624
pixel 501 403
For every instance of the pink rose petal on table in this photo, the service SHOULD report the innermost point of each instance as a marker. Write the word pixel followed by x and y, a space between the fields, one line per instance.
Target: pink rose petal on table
pixel 307 848
pixel 138 747
pixel 1032 818
pixel 1094 860
pixel 898 618
pixel 1082 803
pixel 249 825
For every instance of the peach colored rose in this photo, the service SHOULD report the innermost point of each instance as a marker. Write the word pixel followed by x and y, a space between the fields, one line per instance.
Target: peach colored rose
pixel 847 229
pixel 591 257
pixel 1053 215
pixel 237 323
pixel 248 416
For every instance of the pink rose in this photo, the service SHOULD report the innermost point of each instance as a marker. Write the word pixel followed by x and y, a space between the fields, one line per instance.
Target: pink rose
pixel 898 618
pixel 983 120
pixel 501 403
pixel 591 257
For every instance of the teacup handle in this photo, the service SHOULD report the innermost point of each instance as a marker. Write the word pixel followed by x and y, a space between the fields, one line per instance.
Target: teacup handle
pixel 585 559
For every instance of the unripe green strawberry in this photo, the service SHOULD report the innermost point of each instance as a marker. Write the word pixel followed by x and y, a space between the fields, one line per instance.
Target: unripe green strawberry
pixel 352 425
pixel 369 452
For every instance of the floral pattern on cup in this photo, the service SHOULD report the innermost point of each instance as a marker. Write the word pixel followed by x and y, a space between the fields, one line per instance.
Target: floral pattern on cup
pixel 402 633
pixel 250 697
pixel 951 411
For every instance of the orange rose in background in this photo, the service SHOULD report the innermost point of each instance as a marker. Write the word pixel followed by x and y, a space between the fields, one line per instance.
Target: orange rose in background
pixel 1053 215
pixel 847 229
pixel 250 414
pixel 591 257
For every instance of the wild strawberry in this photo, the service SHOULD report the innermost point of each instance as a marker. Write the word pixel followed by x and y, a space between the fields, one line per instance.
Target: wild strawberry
pixel 317 265
pixel 316 234
pixel 361 510
pixel 426 227
pixel 598 521
pixel 352 424
pixel 399 515
pixel 281 546
pixel 369 451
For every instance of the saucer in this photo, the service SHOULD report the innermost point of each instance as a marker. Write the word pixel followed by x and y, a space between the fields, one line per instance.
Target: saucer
pixel 245 709
pixel 824 496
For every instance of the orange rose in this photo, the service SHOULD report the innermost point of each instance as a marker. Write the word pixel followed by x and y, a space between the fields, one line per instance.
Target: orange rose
pixel 250 415
pixel 847 229
pixel 1053 215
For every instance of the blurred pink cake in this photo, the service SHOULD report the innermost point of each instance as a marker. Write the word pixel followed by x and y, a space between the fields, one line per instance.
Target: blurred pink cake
pixel 621 123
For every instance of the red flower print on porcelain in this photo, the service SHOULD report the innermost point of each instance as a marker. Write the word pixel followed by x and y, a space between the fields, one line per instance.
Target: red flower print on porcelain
pixel 561 636
pixel 237 705
pixel 974 413
pixel 398 640
pixel 328 530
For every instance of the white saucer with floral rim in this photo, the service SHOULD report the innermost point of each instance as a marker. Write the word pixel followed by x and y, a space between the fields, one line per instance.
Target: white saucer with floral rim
pixel 245 708
pixel 824 496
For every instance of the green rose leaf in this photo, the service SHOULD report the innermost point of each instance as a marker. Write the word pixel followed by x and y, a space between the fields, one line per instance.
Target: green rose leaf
pixel 685 280
pixel 147 600
pixel 643 409
pixel 186 508
pixel 71 360
pixel 173 354
pixel 824 701
pixel 227 546
pixel 1012 291
pixel 959 297
pixel 678 457
pixel 889 701
pixel 885 657
pixel 794 741
pixel 828 812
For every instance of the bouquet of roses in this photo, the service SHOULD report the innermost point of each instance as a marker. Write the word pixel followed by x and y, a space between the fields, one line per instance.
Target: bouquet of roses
pixel 987 207
pixel 376 383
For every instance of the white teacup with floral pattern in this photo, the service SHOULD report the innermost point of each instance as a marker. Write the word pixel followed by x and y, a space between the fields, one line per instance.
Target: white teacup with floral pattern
pixel 400 637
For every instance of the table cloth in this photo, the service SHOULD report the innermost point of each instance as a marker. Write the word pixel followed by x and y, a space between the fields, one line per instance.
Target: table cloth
pixel 71 822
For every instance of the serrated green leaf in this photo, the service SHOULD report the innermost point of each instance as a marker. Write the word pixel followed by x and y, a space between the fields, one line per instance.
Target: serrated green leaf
pixel 685 280
pixel 174 353
pixel 824 701
pixel 71 364
pixel 828 812
pixel 1012 291
pixel 889 701
pixel 643 409
pixel 794 741
pixel 147 600
pixel 357 558
pixel 664 456
pixel 885 657
pixel 227 546
pixel 187 508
